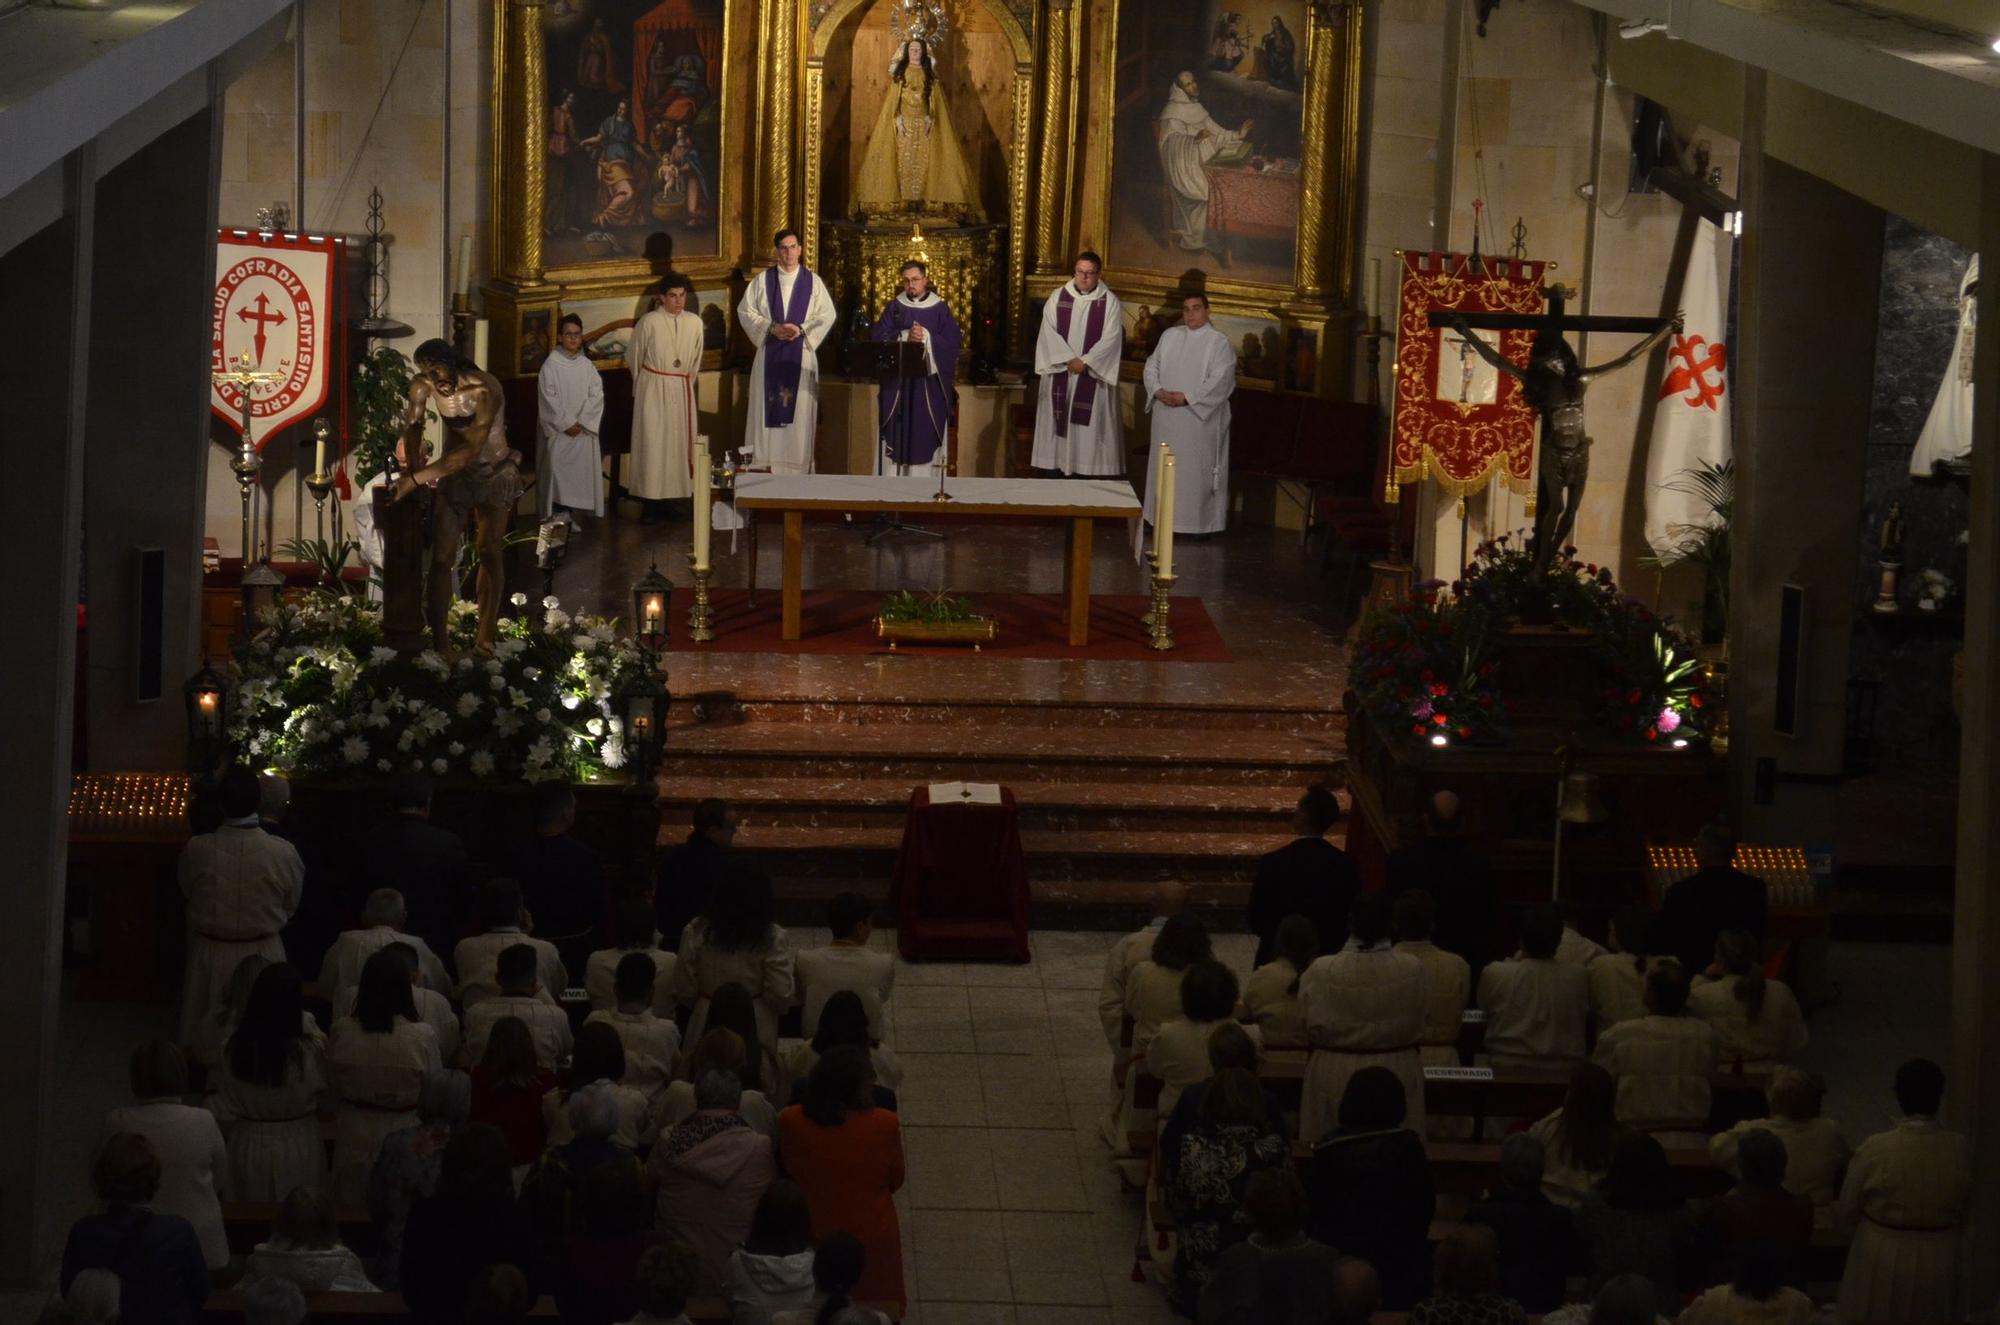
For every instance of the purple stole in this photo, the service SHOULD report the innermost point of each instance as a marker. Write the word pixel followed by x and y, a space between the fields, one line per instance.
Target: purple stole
pixel 785 360
pixel 1086 390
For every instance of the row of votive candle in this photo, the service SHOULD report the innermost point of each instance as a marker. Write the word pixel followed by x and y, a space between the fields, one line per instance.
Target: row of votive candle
pixel 704 503
pixel 1163 517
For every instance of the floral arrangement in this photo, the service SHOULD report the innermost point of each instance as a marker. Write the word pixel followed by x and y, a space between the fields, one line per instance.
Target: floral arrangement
pixel 317 694
pixel 1429 666
pixel 932 609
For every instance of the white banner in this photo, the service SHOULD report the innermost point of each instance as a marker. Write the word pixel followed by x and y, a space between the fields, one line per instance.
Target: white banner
pixel 1691 416
pixel 274 298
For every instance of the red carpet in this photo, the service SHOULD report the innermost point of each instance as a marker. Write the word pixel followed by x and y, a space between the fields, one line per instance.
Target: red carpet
pixel 841 621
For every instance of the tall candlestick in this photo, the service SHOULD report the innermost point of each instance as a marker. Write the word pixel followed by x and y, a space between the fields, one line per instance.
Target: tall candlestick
pixel 1375 287
pixel 464 283
pixel 1163 532
pixel 704 497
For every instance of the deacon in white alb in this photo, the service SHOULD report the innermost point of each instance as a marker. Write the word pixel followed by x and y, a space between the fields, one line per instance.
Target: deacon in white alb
pixel 1189 379
pixel 1083 336
pixel 787 313
pixel 665 356
pixel 571 411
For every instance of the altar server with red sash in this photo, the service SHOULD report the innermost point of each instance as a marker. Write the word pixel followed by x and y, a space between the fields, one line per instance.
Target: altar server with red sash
pixel 1083 337
pixel 786 312
pixel 665 357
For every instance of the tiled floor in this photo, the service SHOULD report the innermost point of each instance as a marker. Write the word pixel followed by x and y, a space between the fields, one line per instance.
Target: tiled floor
pixel 1011 1214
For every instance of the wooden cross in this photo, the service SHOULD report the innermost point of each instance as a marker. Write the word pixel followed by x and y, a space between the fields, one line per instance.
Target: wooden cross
pixel 1554 320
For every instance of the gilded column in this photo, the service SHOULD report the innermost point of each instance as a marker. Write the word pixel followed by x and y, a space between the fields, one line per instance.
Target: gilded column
pixel 1324 189
pixel 809 206
pixel 780 79
pixel 1017 204
pixel 534 157
pixel 1052 161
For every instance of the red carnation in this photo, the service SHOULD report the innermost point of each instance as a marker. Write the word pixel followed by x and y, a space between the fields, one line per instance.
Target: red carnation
pixel 1632 695
pixel 1464 732
pixel 1696 701
pixel 1440 719
pixel 1417 730
pixel 1652 733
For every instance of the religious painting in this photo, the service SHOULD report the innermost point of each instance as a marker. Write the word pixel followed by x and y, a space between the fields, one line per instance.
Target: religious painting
pixel 1207 126
pixel 537 338
pixel 633 151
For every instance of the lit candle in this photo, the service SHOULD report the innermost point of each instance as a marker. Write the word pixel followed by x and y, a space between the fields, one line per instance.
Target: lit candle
pixel 319 453
pixel 206 701
pixel 465 265
pixel 655 609
pixel 704 499
pixel 1163 532
pixel 641 724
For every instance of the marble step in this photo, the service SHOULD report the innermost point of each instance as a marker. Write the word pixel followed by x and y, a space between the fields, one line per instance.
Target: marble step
pixel 724 708
pixel 865 855
pixel 702 756
pixel 883 802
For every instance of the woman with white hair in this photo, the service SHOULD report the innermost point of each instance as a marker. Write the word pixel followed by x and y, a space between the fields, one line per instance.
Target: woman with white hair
pixel 711 1171
pixel 305 1248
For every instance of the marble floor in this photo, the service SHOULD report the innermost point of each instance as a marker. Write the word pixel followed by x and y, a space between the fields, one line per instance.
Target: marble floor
pixel 1011 1215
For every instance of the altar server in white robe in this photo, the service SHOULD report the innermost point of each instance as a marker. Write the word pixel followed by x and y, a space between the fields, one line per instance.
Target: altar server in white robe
pixel 1189 379
pixel 1906 1196
pixel 786 312
pixel 1363 1006
pixel 1077 355
pixel 665 355
pixel 242 887
pixel 570 410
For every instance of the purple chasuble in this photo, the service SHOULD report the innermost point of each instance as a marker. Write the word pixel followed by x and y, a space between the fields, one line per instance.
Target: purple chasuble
pixel 1086 390
pixel 785 360
pixel 930 402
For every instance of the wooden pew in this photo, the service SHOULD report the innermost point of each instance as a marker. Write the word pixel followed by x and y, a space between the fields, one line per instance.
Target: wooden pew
pixel 226 1308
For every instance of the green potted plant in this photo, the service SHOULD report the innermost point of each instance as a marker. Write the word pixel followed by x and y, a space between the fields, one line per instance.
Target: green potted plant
pixel 909 618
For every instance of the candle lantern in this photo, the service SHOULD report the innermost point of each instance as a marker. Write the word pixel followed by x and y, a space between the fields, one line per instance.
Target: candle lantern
pixel 642 702
pixel 206 694
pixel 649 610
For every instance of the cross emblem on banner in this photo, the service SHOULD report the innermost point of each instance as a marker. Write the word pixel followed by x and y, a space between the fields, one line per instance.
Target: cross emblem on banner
pixel 1690 374
pixel 260 318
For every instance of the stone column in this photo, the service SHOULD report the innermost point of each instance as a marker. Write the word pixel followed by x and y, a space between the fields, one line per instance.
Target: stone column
pixel 1810 276
pixel 44 294
pixel 145 464
pixel 1974 1072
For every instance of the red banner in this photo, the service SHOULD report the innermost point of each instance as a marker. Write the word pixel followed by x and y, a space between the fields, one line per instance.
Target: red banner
pixel 1457 420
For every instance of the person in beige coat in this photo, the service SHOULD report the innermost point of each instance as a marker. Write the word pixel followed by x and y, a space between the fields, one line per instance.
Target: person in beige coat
pixel 242 887
pixel 1663 1060
pixel 1449 976
pixel 736 942
pixel 1363 1007
pixel 383 916
pixel 1906 1196
pixel 631 931
pixel 1816 1154
pixel 1178 1054
pixel 1271 994
pixel 1537 1008
pixel 194 1162
pixel 1758 1021
pixel 377 1063
pixel 478 957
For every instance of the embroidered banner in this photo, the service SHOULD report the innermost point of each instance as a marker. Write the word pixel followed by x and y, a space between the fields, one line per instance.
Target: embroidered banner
pixel 275 296
pixel 1456 419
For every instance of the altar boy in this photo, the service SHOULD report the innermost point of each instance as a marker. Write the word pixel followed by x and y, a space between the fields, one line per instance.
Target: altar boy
pixel 570 409
pixel 913 423
pixel 1189 379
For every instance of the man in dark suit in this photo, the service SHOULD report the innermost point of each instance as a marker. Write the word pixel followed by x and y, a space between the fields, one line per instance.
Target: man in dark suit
pixel 562 880
pixel 425 863
pixel 1715 898
pixel 1311 877
pixel 690 872
pixel 1457 878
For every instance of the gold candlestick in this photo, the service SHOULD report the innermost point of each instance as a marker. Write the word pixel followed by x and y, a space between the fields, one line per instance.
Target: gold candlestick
pixel 1160 619
pixel 701 622
pixel 1152 574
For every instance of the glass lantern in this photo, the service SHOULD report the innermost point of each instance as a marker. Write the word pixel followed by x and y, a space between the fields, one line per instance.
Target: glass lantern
pixel 207 696
pixel 642 703
pixel 650 597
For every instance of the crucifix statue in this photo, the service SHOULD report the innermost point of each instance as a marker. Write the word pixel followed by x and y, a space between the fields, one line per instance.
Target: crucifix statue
pixel 1554 383
pixel 247 463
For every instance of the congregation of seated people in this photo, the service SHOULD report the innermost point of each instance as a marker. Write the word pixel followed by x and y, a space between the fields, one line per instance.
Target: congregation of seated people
pixel 705 1126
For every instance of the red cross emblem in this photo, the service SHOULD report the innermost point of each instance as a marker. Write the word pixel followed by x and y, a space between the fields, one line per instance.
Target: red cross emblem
pixel 1691 373
pixel 258 319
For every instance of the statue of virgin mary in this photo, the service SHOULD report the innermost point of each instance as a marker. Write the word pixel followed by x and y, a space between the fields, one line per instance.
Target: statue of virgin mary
pixel 915 161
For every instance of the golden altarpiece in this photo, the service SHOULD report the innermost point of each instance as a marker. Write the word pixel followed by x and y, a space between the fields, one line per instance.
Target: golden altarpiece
pixel 1193 144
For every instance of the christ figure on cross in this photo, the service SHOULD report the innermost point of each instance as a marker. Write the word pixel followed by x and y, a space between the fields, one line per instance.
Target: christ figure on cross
pixel 1554 383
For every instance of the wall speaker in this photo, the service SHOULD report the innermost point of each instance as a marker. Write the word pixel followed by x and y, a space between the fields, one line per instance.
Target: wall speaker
pixel 149 627
pixel 1789 700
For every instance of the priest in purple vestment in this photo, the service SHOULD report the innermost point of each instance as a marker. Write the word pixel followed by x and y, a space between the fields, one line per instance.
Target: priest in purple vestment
pixel 913 422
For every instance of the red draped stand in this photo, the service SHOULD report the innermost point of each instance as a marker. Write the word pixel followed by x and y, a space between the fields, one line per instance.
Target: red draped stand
pixel 961 882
